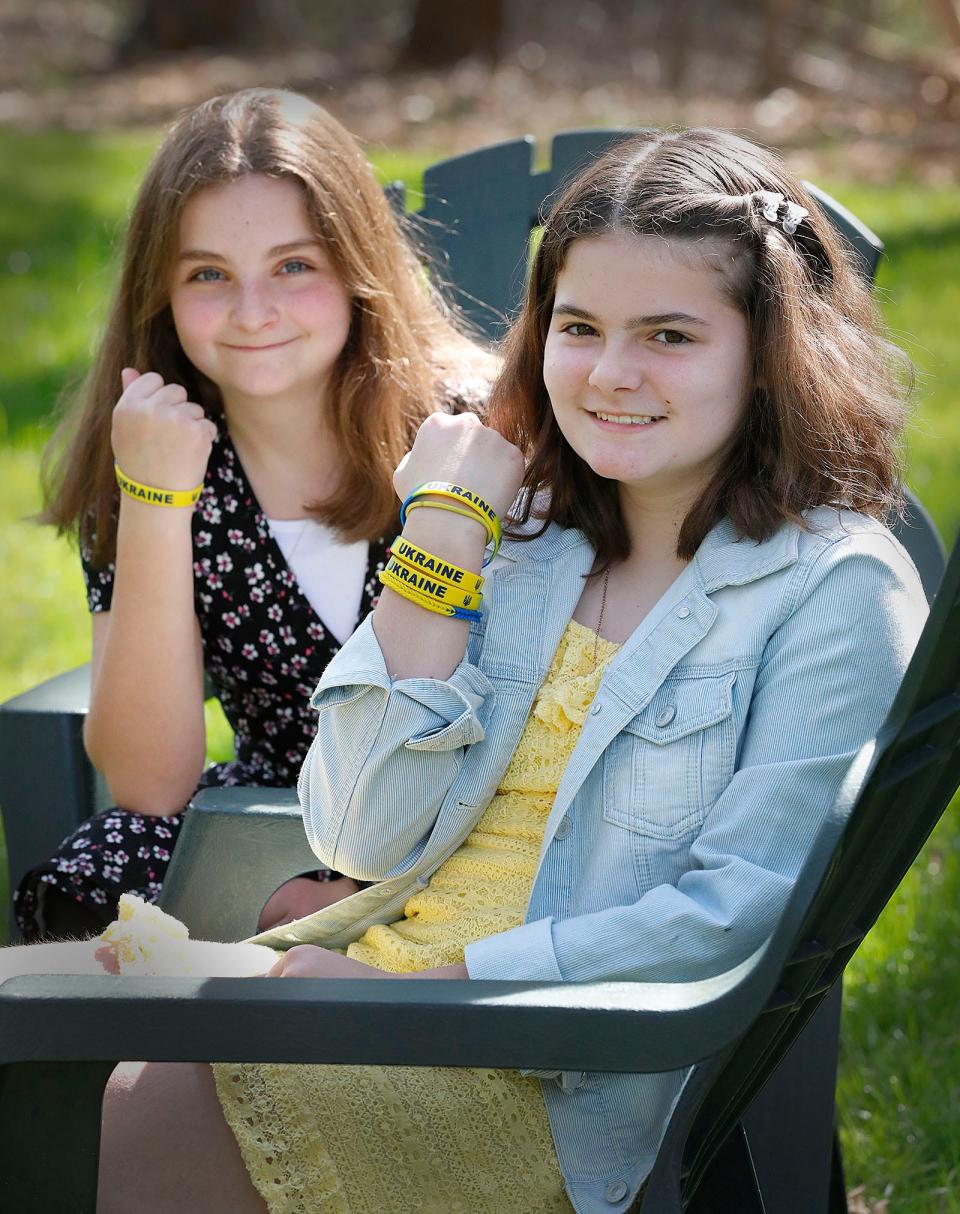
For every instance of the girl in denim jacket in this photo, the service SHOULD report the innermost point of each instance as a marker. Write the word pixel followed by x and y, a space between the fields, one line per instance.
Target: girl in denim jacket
pixel 614 769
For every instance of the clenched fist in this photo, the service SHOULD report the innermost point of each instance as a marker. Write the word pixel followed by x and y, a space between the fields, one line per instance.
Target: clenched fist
pixel 464 451
pixel 160 438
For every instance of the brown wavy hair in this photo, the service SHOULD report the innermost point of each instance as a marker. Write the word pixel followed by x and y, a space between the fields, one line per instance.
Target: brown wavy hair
pixel 403 353
pixel 824 428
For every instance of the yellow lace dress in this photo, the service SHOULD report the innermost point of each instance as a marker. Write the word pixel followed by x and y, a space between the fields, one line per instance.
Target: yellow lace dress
pixel 387 1140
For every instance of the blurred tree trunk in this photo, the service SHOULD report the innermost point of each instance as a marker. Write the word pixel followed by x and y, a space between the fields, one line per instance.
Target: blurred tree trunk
pixel 163 27
pixel 947 14
pixel 674 43
pixel 774 59
pixel 443 33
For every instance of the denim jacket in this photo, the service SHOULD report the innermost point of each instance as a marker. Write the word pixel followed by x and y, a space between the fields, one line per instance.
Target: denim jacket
pixel 711 754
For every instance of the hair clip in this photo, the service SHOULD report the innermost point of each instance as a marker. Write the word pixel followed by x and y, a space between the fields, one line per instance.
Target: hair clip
pixel 794 215
pixel 769 204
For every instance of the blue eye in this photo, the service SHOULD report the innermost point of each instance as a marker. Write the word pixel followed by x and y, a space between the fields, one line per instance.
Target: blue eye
pixel 295 267
pixel 207 274
pixel 670 337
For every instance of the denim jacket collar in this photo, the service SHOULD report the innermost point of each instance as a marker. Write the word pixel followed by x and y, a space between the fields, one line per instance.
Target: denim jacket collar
pixel 723 559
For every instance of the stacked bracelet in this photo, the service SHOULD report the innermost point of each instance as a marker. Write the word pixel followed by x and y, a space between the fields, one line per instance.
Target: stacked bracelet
pixel 468 503
pixel 433 587
pixel 435 505
pixel 156 497
pixel 407 589
pixel 417 559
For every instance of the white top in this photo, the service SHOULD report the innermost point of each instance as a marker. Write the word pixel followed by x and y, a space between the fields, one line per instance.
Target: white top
pixel 330 573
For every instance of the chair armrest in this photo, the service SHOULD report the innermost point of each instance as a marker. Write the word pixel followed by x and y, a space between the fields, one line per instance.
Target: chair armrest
pixel 60 1037
pixel 617 1026
pixel 47 784
pixel 236 846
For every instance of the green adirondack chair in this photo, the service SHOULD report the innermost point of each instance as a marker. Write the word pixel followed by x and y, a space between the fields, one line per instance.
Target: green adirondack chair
pixel 60 1037
pixel 65 1034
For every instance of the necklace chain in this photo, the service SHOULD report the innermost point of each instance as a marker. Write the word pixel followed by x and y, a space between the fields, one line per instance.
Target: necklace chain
pixel 296 543
pixel 603 604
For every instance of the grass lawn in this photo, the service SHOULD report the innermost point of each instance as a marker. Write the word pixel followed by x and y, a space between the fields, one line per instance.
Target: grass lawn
pixel 59 222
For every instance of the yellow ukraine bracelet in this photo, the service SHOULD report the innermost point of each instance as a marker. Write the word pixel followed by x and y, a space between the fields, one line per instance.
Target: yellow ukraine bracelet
pixel 417 558
pixel 424 583
pixel 434 505
pixel 156 497
pixel 464 497
pixel 424 600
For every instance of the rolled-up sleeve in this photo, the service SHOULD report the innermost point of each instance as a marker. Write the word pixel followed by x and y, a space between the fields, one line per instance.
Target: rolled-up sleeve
pixel 828 677
pixel 384 756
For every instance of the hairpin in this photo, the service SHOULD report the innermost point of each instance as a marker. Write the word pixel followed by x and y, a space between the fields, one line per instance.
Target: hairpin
pixel 793 216
pixel 770 204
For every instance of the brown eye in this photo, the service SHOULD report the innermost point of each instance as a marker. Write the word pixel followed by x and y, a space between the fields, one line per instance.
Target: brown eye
pixel 670 337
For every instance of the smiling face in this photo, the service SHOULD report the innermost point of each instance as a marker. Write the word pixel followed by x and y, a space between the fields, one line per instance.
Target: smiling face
pixel 647 364
pixel 257 304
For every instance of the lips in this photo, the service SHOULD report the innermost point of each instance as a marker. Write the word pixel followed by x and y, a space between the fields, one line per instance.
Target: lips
pixel 275 345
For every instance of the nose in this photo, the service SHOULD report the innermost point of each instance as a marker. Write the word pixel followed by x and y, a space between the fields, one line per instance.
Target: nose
pixel 618 368
pixel 253 306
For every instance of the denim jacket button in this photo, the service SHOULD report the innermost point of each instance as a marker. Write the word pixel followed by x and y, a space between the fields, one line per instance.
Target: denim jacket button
pixel 616 1191
pixel 683 612
pixel 596 708
pixel 564 826
pixel 665 716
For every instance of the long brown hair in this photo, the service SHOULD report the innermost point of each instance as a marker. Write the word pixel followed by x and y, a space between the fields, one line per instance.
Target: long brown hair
pixel 402 354
pixel 824 426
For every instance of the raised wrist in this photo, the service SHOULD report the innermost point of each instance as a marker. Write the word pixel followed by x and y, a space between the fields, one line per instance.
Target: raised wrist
pixel 458 539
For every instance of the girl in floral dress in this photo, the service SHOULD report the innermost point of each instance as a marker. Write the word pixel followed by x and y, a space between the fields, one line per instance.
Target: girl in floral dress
pixel 272 344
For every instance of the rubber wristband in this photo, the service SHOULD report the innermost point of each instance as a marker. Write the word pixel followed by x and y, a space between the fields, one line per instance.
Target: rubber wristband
pixel 152 496
pixel 418 558
pixel 472 515
pixel 424 583
pixel 423 600
pixel 459 494
pixel 456 493
pixel 416 503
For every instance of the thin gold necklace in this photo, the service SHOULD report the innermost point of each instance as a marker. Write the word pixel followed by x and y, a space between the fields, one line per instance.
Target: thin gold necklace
pixel 603 604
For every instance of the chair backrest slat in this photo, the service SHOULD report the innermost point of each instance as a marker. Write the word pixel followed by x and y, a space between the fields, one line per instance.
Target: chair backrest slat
pixel 479 209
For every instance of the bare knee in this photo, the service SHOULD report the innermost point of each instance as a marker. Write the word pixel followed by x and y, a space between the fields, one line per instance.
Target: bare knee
pixel 166 1147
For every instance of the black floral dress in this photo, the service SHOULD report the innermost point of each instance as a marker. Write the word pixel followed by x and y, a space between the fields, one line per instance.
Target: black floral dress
pixel 264 648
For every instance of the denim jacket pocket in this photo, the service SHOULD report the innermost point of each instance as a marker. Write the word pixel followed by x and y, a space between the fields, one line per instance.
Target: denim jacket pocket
pixel 672 760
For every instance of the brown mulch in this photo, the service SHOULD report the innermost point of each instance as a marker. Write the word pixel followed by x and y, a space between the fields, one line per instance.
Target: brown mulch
pixel 859 1203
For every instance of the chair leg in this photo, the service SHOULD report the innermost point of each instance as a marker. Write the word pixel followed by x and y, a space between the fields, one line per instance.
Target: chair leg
pixel 838 1181
pixel 50 1135
pixel 730 1183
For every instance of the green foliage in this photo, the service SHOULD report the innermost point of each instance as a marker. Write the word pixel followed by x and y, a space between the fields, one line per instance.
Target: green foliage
pixel 59 225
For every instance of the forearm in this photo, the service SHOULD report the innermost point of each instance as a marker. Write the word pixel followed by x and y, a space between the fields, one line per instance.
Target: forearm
pixel 145 728
pixel 384 757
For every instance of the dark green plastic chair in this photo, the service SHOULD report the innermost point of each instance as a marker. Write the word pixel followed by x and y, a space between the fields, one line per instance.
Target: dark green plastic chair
pixel 238 845
pixel 60 1037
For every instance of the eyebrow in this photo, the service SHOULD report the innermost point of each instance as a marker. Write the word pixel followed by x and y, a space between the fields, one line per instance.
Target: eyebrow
pixel 635 322
pixel 278 250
